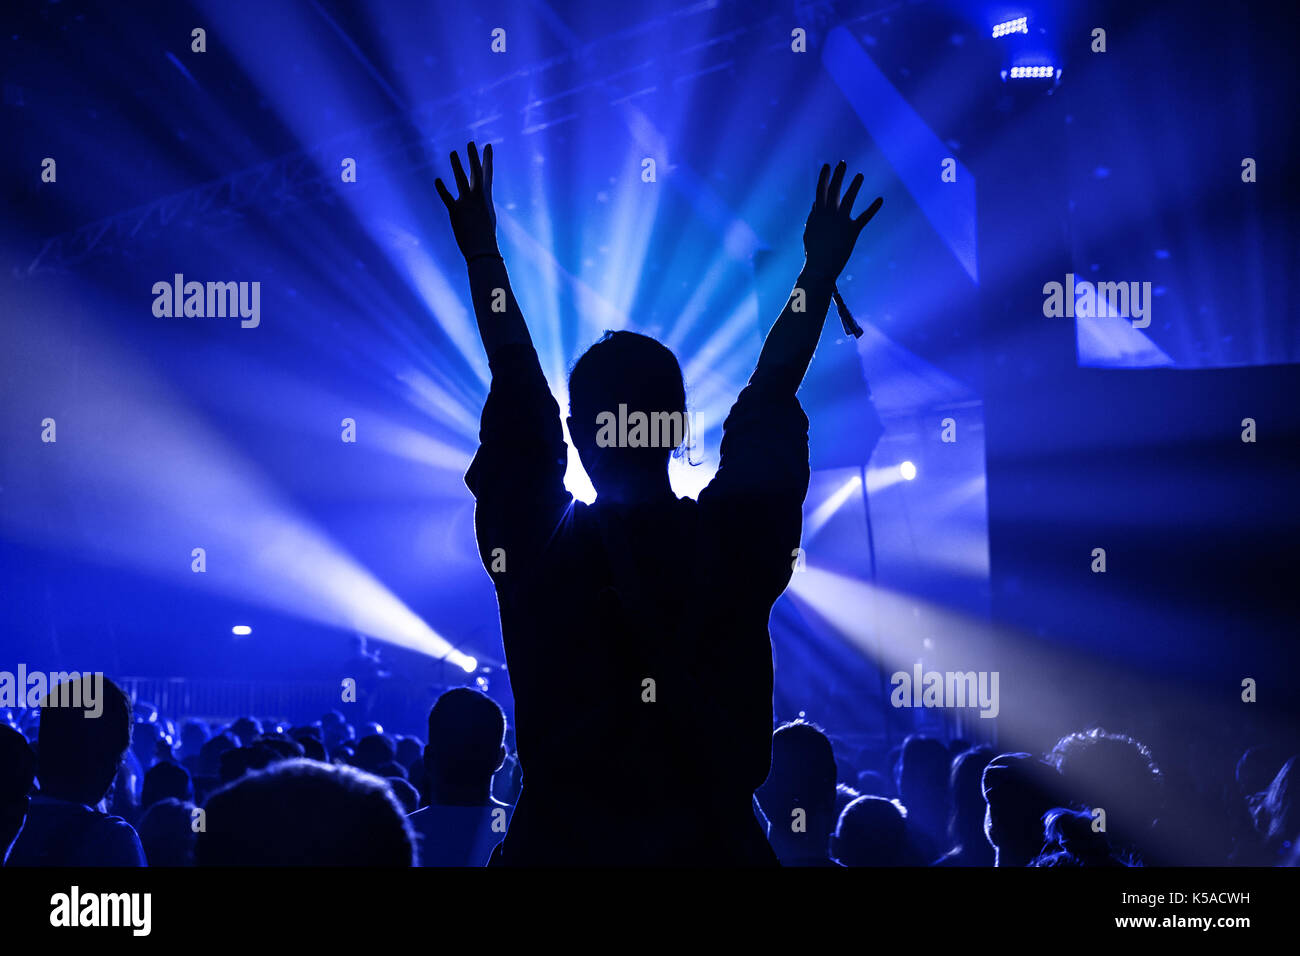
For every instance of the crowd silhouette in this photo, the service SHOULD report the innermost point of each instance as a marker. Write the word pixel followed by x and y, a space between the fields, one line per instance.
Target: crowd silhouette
pixel 78 790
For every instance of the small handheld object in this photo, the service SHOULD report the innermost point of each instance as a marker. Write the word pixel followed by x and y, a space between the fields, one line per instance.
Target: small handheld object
pixel 846 317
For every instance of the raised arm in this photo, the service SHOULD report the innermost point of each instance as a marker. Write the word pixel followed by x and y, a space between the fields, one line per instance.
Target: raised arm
pixel 474 222
pixel 517 475
pixel 828 239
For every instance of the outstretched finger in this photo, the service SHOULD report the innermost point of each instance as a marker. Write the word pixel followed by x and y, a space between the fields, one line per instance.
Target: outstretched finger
pixel 439 185
pixel 487 169
pixel 821 183
pixel 833 190
pixel 475 167
pixel 462 184
pixel 867 216
pixel 851 194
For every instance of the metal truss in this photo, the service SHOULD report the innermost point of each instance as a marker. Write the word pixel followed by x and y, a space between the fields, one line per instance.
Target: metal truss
pixel 404 143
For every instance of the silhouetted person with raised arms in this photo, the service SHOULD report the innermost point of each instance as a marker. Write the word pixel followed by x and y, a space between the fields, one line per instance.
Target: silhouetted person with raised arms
pixel 635 628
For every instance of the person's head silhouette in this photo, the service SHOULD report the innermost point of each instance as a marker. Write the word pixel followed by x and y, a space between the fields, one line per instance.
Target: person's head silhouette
pixel 872 831
pixel 798 796
pixel 85 731
pixel 466 747
pixel 1018 791
pixel 163 780
pixel 922 779
pixel 167 833
pixel 627 413
pixel 303 813
pixel 373 751
pixel 1117 773
pixel 966 816
pixel 1077 842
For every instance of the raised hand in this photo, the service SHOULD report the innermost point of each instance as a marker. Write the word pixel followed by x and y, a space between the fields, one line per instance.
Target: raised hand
pixel 473 217
pixel 831 231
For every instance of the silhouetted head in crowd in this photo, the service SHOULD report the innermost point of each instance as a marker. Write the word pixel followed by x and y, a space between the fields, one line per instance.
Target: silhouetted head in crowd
pixel 872 783
pixel 148 742
pixel 167 833
pixel 246 729
pixel 635 371
pixel 966 799
pixel 283 747
pixel 312 748
pixel 333 728
pixel 17 777
pixel 466 747
pixel 210 753
pixel 798 797
pixel 1280 811
pixel 194 734
pixel 872 831
pixel 1116 773
pixel 923 767
pixel 844 795
pixel 1018 791
pixel 373 751
pixel 80 747
pixel 235 763
pixel 166 779
pixel 304 813
pixel 409 750
pixel 1077 842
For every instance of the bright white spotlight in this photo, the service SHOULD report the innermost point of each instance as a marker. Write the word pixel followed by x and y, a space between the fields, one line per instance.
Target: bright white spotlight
pixel 277 557
pixel 1019 25
pixel 241 630
pixel 468 664
pixel 907 470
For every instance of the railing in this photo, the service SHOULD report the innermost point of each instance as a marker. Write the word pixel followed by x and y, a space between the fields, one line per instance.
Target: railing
pixel 224 700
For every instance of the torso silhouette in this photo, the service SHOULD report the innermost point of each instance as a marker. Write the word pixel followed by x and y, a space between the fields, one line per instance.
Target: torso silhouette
pixel 636 635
